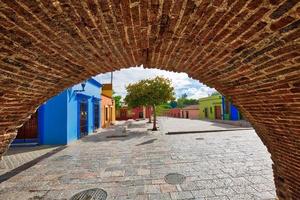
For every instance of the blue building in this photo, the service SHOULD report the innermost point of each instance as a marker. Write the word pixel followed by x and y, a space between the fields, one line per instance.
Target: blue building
pixel 230 112
pixel 70 115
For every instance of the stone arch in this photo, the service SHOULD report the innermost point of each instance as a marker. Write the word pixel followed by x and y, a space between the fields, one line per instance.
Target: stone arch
pixel 248 50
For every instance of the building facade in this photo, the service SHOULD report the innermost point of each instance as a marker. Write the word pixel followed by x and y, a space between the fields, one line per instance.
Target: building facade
pixel 190 112
pixel 66 117
pixel 108 111
pixel 141 112
pixel 173 112
pixel 210 107
pixel 230 112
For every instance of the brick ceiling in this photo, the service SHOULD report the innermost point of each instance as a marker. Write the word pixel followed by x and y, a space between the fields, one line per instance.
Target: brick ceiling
pixel 247 49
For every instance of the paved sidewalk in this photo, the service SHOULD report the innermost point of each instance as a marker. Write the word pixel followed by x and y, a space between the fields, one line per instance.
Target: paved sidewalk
pixel 170 124
pixel 133 164
pixel 18 156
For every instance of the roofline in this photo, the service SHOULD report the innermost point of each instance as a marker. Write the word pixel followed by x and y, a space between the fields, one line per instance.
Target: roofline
pixel 106 96
pixel 95 82
pixel 210 98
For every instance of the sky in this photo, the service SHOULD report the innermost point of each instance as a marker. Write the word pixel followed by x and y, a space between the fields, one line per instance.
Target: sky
pixel 181 82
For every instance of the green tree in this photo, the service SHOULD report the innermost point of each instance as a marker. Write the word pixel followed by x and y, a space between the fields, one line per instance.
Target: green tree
pixel 181 100
pixel 150 92
pixel 216 93
pixel 136 95
pixel 162 108
pixel 173 104
pixel 184 101
pixel 117 100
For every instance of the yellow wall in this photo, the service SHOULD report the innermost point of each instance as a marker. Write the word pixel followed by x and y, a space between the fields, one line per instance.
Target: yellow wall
pixel 107 90
pixel 209 103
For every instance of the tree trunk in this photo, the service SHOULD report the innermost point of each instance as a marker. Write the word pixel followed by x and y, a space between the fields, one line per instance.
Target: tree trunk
pixel 154 119
pixel 150 119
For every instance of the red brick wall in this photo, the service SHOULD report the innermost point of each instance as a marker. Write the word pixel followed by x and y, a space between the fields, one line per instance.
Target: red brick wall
pixel 247 50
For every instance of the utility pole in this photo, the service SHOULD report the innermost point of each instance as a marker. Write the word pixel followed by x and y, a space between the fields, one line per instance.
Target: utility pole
pixel 111 77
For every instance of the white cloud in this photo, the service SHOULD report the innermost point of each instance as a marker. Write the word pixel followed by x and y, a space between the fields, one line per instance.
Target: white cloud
pixel 181 82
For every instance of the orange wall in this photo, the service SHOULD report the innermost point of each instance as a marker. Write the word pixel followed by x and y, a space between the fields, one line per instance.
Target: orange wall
pixel 106 102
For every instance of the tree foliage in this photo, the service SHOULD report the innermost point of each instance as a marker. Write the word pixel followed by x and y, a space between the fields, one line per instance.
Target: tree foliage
pixel 117 100
pixel 162 108
pixel 216 93
pixel 150 92
pixel 184 101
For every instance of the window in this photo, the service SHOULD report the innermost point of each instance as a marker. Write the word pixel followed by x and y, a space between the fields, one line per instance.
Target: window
pixel 106 113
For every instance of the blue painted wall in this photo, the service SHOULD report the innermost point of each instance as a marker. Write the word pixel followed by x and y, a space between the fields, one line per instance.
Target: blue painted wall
pixel 59 117
pixel 91 94
pixel 232 113
pixel 53 120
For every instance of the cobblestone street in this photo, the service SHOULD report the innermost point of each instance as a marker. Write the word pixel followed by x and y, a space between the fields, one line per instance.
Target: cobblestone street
pixel 130 162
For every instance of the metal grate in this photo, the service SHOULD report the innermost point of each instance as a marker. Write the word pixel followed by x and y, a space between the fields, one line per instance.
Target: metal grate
pixel 91 194
pixel 174 178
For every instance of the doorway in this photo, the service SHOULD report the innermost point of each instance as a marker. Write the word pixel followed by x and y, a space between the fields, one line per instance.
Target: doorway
pixel 83 119
pixel 96 116
pixel 205 112
pixel 218 112
pixel 29 131
pixel 141 115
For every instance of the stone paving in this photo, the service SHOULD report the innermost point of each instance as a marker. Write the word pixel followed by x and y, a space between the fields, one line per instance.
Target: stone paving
pixel 178 124
pixel 18 156
pixel 230 165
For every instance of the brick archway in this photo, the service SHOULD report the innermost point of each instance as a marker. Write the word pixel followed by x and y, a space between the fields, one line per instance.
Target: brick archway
pixel 248 50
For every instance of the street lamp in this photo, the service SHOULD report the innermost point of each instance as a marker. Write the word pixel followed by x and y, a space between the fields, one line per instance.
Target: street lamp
pixel 82 86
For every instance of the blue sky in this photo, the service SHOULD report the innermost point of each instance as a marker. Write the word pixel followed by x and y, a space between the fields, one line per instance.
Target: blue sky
pixel 181 82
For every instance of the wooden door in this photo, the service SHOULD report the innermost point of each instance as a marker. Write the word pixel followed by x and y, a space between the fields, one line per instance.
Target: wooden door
pixel 218 112
pixel 83 119
pixel 123 114
pixel 30 129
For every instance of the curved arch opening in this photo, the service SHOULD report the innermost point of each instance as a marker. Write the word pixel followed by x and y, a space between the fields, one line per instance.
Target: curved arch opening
pixel 250 148
pixel 247 50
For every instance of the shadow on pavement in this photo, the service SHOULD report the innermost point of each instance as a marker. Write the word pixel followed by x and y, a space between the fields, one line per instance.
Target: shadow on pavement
pixel 146 142
pixel 13 150
pixel 29 164
pixel 114 136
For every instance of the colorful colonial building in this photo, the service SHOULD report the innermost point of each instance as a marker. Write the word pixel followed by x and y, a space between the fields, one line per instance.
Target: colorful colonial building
pixel 210 107
pixel 230 112
pixel 190 112
pixel 218 107
pixel 142 112
pixel 108 111
pixel 173 112
pixel 66 117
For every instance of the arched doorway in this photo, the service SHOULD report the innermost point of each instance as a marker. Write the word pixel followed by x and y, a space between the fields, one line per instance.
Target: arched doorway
pixel 247 50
